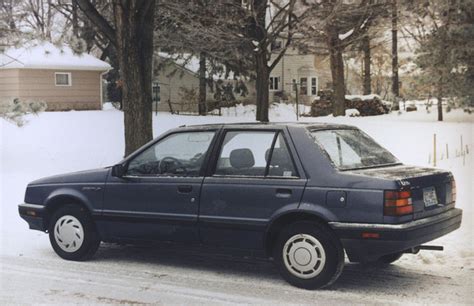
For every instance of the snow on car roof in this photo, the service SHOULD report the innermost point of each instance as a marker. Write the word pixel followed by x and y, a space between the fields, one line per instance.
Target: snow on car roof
pixel 45 55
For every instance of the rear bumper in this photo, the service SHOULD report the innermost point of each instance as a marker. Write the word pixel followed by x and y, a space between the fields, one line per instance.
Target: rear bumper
pixel 33 215
pixel 394 238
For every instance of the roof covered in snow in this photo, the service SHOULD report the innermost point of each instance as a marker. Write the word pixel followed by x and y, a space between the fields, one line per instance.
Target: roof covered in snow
pixel 190 63
pixel 48 56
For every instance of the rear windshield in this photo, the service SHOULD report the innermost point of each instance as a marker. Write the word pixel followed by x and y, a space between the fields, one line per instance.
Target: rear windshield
pixel 352 149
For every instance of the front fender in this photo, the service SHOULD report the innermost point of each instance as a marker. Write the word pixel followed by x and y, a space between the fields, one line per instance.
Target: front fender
pixel 67 193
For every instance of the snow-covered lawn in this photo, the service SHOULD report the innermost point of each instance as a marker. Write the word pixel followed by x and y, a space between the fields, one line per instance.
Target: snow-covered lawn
pixel 59 142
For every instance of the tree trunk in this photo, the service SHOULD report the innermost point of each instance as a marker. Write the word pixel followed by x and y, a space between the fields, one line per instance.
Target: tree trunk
pixel 202 85
pixel 337 73
pixel 135 54
pixel 367 57
pixel 75 19
pixel 439 96
pixel 262 86
pixel 395 82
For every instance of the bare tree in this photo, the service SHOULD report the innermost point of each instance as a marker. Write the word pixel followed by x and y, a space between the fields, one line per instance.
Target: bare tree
pixel 395 80
pixel 207 29
pixel 40 15
pixel 131 35
pixel 339 24
pixel 268 22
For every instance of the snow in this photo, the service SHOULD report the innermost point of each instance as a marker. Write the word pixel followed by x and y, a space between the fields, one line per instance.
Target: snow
pixel 363 97
pixel 59 142
pixel 345 35
pixel 45 55
pixel 352 112
pixel 107 106
pixel 190 63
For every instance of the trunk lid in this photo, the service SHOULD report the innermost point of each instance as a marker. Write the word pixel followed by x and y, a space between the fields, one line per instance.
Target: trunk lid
pixel 431 189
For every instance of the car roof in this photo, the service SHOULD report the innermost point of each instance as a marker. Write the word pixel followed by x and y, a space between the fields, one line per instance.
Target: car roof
pixel 272 125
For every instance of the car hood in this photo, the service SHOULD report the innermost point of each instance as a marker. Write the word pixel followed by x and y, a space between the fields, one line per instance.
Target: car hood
pixel 88 176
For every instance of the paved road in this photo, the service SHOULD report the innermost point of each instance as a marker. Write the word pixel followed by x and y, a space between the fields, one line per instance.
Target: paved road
pixel 163 275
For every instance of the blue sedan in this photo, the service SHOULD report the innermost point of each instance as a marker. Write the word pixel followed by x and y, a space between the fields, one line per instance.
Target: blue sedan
pixel 300 194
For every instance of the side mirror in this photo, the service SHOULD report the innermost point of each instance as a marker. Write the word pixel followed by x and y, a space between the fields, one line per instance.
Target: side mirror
pixel 118 170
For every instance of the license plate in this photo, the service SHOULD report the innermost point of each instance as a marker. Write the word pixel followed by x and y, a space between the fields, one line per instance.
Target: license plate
pixel 429 196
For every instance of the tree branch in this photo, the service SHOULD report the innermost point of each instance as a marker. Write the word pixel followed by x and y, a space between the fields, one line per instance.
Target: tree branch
pixel 97 19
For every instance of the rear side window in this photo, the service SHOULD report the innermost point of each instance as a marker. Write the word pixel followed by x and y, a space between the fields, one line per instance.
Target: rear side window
pixel 255 153
pixel 352 149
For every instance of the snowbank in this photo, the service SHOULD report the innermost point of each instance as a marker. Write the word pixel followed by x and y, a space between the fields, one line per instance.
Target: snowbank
pixel 60 142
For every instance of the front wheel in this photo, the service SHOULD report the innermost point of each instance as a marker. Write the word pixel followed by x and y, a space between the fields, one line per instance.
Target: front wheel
pixel 73 234
pixel 308 255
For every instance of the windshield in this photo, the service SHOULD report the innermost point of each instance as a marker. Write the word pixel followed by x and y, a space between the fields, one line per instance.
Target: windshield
pixel 352 149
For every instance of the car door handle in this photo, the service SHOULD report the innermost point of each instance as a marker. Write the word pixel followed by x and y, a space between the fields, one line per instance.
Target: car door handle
pixel 283 193
pixel 185 188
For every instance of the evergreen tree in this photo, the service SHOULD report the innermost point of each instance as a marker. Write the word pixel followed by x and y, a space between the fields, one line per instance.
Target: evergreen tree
pixel 446 52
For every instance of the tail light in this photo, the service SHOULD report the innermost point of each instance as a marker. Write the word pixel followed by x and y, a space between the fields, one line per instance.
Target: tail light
pixel 453 191
pixel 397 203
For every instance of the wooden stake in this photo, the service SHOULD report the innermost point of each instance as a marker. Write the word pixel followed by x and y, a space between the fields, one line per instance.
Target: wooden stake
pixel 434 150
pixel 447 151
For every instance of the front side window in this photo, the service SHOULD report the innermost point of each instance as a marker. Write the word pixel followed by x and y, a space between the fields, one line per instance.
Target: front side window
pixel 62 78
pixel 255 153
pixel 180 154
pixel 352 149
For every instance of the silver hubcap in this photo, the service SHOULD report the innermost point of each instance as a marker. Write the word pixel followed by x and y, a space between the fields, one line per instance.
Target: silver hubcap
pixel 304 256
pixel 68 233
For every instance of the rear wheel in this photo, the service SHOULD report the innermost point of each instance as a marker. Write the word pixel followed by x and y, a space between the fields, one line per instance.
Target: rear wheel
pixel 308 255
pixel 73 234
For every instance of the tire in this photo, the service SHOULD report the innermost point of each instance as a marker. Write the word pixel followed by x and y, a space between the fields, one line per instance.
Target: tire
pixel 308 255
pixel 73 234
pixel 390 258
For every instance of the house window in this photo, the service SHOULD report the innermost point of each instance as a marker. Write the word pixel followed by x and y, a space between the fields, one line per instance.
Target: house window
pixel 62 78
pixel 304 86
pixel 156 92
pixel 276 45
pixel 274 83
pixel 314 86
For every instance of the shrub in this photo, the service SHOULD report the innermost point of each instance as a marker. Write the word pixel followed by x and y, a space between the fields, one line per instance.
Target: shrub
pixel 13 109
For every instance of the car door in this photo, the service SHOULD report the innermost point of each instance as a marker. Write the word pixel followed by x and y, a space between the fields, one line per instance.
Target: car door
pixel 254 177
pixel 158 197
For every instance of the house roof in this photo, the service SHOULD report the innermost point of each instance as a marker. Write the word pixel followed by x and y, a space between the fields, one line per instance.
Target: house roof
pixel 48 56
pixel 190 63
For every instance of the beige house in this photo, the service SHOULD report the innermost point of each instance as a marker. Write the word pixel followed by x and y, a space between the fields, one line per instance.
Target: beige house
pixel 176 84
pixel 310 72
pixel 55 75
pixel 172 79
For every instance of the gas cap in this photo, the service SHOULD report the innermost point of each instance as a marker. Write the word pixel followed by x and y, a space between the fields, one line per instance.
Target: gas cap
pixel 336 198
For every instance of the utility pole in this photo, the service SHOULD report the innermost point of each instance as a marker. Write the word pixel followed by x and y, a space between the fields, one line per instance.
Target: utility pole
pixel 295 89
